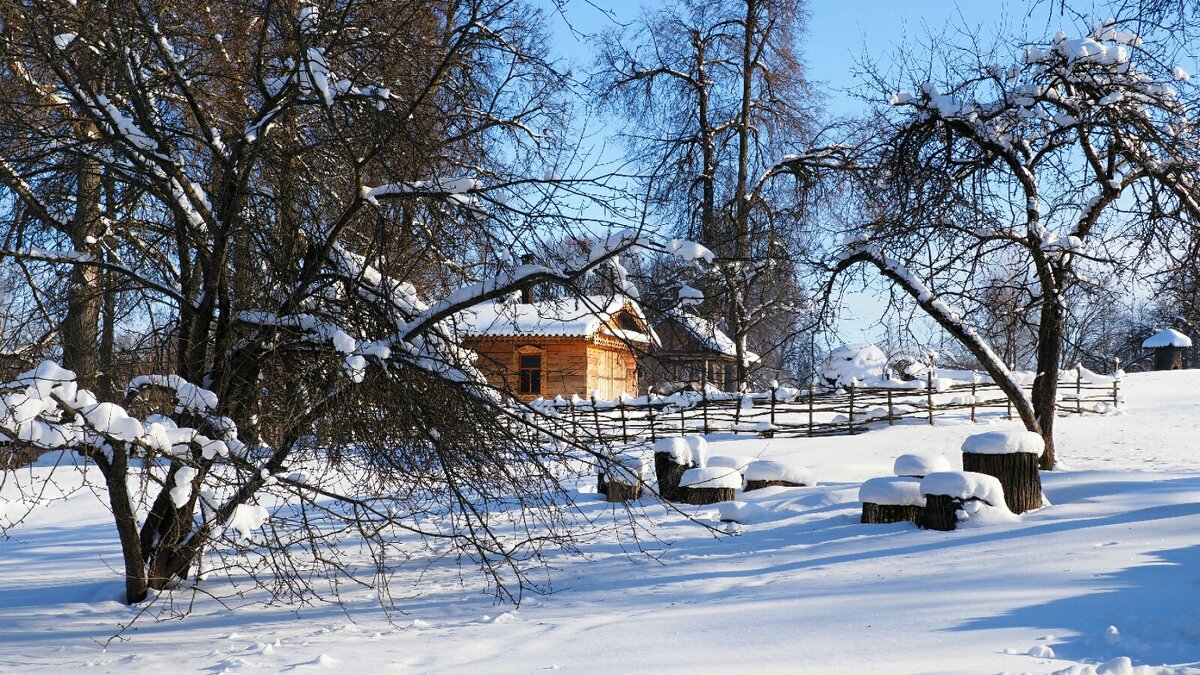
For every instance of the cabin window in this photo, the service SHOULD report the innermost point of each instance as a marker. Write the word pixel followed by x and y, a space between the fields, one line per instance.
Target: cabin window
pixel 530 368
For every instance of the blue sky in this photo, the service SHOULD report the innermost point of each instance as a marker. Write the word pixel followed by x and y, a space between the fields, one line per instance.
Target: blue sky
pixel 840 31
pixel 840 34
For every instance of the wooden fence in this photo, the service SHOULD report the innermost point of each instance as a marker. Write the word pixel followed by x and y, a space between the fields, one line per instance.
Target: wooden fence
pixel 815 411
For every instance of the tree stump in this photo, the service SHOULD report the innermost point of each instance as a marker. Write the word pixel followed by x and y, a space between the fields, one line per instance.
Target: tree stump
pixel 1017 473
pixel 878 514
pixel 940 513
pixel 601 484
pixel 699 496
pixel 618 492
pixel 760 484
pixel 767 473
pixel 668 473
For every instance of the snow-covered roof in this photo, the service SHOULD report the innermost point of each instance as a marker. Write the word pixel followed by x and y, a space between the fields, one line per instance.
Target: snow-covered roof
pixel 1167 338
pixel 561 317
pixel 707 333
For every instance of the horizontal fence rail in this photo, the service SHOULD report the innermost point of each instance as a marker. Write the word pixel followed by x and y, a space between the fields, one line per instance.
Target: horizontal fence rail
pixel 810 412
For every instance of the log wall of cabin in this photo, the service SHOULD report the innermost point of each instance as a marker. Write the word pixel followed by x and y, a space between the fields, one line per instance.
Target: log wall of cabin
pixel 564 364
pixel 613 370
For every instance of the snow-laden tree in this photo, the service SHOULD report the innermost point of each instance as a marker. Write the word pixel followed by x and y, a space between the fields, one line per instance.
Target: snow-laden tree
pixel 1030 181
pixel 267 216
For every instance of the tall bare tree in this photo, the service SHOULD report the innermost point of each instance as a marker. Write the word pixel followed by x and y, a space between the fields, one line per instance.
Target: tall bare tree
pixel 718 95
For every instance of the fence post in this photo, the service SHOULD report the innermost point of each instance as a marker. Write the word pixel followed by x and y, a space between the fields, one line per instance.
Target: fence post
pixel 850 418
pixel 596 419
pixel 624 429
pixel 811 386
pixel 650 412
pixel 891 412
pixel 774 388
pixel 972 400
pixel 682 422
pixel 737 413
pixel 1079 389
pixel 704 402
pixel 574 421
pixel 929 394
pixel 1116 398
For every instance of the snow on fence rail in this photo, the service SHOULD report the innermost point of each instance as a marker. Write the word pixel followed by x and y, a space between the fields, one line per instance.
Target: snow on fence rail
pixel 814 411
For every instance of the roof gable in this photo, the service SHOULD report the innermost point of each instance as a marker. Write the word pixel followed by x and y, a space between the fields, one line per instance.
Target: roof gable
pixel 706 333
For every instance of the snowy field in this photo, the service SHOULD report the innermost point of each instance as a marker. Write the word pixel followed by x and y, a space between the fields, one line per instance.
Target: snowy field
pixel 1107 579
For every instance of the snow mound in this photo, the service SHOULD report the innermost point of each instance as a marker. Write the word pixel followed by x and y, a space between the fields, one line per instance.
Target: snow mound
pixel 1167 338
pixel 919 465
pixel 892 491
pixel 1041 652
pixel 854 362
pixel 1004 443
pixel 711 477
pixel 746 513
pixel 766 469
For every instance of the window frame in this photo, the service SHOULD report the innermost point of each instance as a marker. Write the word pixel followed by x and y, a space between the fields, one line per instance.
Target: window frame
pixel 537 376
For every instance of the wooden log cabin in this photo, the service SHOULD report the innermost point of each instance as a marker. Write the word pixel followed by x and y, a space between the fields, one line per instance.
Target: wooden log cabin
pixel 694 353
pixel 559 347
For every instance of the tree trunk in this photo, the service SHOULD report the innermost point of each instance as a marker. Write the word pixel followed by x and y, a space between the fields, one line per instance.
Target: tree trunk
pixel 125 518
pixel 940 513
pixel 878 514
pixel 741 252
pixel 1045 385
pixel 80 326
pixel 669 473
pixel 1017 473
pixel 700 496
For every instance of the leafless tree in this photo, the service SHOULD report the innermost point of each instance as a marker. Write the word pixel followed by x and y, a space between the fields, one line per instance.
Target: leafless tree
pixel 718 96
pixel 1076 162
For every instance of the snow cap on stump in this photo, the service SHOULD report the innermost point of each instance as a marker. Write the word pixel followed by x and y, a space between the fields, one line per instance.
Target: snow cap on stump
pixel 965 485
pixel 738 462
pixel 920 465
pixel 1167 338
pixel 711 477
pixel 769 470
pixel 625 469
pixel 699 448
pixel 1004 443
pixel 892 491
pixel 682 449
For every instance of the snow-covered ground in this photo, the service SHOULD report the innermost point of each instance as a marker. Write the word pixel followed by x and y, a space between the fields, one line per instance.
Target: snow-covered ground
pixel 1105 577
